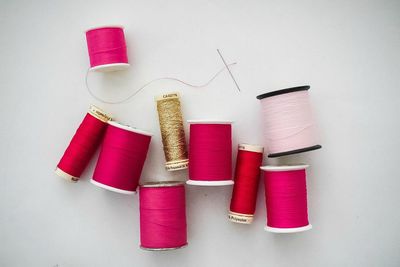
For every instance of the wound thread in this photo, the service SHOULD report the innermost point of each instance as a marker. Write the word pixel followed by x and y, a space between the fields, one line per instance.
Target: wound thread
pixel 162 216
pixel 172 131
pixel 122 157
pixel 289 126
pixel 247 173
pixel 83 145
pixel 107 48
pixel 210 153
pixel 286 198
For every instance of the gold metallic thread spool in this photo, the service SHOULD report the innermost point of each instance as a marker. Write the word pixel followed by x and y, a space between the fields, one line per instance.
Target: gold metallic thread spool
pixel 172 132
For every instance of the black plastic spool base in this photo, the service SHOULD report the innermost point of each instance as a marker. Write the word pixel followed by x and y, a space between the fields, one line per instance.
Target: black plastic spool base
pixel 281 92
pixel 284 91
pixel 296 151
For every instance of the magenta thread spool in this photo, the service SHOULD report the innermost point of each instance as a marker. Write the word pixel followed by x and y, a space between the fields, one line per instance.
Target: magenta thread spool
pixel 107 48
pixel 210 153
pixel 289 125
pixel 286 198
pixel 162 216
pixel 122 157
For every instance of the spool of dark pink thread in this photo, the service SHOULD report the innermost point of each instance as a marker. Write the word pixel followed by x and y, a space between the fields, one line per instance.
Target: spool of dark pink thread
pixel 122 157
pixel 286 198
pixel 247 173
pixel 162 216
pixel 210 153
pixel 107 48
pixel 83 145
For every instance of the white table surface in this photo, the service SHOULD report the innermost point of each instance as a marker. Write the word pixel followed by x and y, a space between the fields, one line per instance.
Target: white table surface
pixel 348 51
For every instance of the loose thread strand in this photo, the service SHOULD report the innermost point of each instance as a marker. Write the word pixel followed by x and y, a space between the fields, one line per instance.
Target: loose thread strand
pixel 152 81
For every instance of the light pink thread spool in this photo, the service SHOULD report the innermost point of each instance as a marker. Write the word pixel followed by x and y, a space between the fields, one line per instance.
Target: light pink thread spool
pixel 286 198
pixel 289 126
pixel 162 216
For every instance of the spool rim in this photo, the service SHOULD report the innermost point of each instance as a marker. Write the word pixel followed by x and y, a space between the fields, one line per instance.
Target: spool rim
pixel 98 113
pixel 162 184
pixel 129 128
pixel 251 148
pixel 295 151
pixel 240 217
pixel 104 26
pixel 288 230
pixel 283 91
pixel 110 67
pixel 65 175
pixel 271 168
pixel 210 121
pixel 171 95
pixel 177 165
pixel 162 249
pixel 112 189
pixel 210 183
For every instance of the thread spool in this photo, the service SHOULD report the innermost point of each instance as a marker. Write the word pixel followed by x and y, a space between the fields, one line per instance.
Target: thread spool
pixel 83 145
pixel 162 216
pixel 107 48
pixel 289 126
pixel 286 198
pixel 247 173
pixel 172 132
pixel 210 153
pixel 121 158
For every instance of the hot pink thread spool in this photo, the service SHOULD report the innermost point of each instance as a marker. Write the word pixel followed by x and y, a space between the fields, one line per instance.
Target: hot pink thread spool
pixel 121 158
pixel 83 145
pixel 286 198
pixel 210 153
pixel 289 126
pixel 162 216
pixel 107 48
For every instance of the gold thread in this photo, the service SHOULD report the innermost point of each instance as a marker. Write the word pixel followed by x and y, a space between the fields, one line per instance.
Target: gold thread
pixel 172 132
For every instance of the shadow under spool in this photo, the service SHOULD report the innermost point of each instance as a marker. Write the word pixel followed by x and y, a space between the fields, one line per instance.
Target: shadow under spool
pixel 83 145
pixel 172 131
pixel 294 150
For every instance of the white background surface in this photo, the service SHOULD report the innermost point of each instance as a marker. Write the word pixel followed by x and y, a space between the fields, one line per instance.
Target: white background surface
pixel 348 51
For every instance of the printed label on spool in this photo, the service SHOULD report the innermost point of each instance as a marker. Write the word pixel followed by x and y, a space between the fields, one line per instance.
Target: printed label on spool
pixel 66 176
pixel 167 96
pixel 251 148
pixel 98 113
pixel 177 165
pixel 240 218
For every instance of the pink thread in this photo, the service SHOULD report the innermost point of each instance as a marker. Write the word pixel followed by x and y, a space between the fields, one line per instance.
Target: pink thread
pixel 286 198
pixel 210 153
pixel 106 45
pixel 162 216
pixel 82 147
pixel 121 158
pixel 288 122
